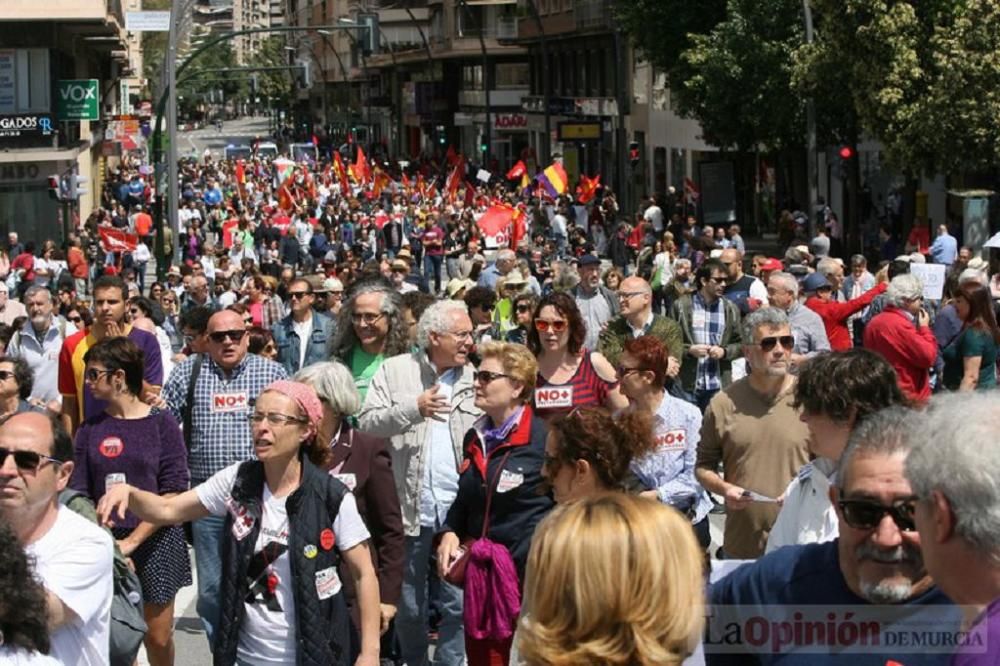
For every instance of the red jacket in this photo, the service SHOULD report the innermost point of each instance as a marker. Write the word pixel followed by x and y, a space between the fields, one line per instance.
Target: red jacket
pixel 835 315
pixel 911 351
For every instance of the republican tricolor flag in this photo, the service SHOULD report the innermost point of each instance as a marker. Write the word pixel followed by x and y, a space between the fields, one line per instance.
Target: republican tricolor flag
pixel 554 180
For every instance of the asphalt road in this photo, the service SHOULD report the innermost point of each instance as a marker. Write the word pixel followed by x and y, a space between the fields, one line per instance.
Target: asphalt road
pixel 242 131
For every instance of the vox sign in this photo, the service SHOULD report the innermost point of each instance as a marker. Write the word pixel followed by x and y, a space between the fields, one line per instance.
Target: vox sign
pixel 78 99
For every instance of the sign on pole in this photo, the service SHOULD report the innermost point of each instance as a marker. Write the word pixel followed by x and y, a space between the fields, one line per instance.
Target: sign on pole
pixel 78 99
pixel 147 21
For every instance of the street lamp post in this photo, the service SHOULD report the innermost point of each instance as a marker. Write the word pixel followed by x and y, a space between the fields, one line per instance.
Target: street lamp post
pixel 812 161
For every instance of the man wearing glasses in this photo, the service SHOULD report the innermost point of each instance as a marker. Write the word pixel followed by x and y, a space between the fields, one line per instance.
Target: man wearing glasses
pixel 875 568
pixel 637 319
pixel 753 429
pixel 302 337
pixel 213 393
pixel 425 403
pixel 710 326
pixel 72 556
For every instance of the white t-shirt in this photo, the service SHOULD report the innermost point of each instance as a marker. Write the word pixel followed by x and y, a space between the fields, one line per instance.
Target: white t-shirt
pixel 267 635
pixel 73 560
pixel 303 329
pixel 13 657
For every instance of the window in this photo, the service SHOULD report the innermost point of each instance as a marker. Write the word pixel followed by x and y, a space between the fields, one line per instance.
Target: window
pixel 24 81
pixel 472 77
pixel 512 75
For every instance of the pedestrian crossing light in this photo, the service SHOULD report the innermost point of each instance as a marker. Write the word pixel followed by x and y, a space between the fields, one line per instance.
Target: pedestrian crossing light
pixel 633 154
pixel 482 147
pixel 55 187
pixel 846 152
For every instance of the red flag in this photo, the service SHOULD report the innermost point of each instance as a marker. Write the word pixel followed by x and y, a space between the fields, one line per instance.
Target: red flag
pixel 518 228
pixel 116 240
pixel 690 189
pixel 380 219
pixel 361 171
pixel 453 157
pixel 338 167
pixel 587 189
pixel 517 170
pixel 496 220
pixel 454 180
pixel 286 199
pixel 229 227
pixel 406 182
pixel 241 176
pixel 470 194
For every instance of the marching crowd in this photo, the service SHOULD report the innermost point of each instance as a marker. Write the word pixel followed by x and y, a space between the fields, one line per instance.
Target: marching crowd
pixel 393 431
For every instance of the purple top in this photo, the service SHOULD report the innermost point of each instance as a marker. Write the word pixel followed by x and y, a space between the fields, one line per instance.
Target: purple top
pixel 149 453
pixel 983 645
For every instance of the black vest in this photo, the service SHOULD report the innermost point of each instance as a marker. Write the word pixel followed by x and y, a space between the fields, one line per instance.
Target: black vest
pixel 322 625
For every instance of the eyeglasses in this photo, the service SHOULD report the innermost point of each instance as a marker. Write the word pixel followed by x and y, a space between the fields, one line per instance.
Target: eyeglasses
pixel 557 326
pixel 485 376
pixel 769 343
pixel 5 375
pixel 720 280
pixel 366 318
pixel 74 320
pixel 93 374
pixel 274 418
pixel 625 295
pixel 866 514
pixel 27 461
pixel 462 335
pixel 623 371
pixel 487 307
pixel 296 295
pixel 524 308
pixel 221 336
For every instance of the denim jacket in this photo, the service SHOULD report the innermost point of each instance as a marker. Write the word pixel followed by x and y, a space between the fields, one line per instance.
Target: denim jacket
pixel 289 346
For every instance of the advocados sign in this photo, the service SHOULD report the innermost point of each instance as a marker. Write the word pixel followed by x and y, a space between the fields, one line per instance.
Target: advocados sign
pixel 78 99
pixel 28 124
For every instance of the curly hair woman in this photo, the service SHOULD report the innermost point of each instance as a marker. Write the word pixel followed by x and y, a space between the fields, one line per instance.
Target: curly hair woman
pixel 24 630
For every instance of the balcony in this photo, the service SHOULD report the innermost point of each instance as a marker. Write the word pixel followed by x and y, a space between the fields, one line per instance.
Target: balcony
pixel 593 13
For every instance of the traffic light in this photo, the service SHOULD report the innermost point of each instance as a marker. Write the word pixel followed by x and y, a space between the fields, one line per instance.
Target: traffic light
pixel 77 186
pixel 55 187
pixel 482 147
pixel 845 153
pixel 633 154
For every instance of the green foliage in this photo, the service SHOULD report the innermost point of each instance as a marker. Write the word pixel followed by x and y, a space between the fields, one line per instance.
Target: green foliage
pixel 661 30
pixel 272 54
pixel 195 81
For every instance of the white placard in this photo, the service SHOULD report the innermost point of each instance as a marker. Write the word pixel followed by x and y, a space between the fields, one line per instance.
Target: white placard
pixel 147 21
pixel 483 175
pixel 932 275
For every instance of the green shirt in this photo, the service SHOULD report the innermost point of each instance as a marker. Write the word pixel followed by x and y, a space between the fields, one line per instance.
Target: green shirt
pixel 363 367
pixel 971 342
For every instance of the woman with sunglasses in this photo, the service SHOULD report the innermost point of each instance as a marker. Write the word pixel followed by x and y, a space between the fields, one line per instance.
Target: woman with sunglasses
pixel 498 503
pixel 666 472
pixel 524 309
pixel 569 376
pixel 290 526
pixel 134 443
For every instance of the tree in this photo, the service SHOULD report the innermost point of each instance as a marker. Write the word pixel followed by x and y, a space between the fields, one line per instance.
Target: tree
pixel 924 77
pixel 661 30
pixel 271 54
pixel 195 80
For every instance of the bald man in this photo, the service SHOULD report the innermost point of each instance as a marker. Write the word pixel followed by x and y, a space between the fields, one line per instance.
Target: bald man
pixel 746 291
pixel 635 297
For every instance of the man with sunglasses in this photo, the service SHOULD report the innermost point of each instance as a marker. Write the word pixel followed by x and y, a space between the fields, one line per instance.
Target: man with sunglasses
pixel 72 556
pixel 302 337
pixel 110 308
pixel 753 429
pixel 875 568
pixel 226 383
pixel 710 328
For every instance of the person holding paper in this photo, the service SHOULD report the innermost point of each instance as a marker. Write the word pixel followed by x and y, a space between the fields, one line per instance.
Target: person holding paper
pixel 902 334
pixel 753 428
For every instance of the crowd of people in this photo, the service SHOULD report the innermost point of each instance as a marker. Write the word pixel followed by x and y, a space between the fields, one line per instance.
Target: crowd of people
pixel 378 425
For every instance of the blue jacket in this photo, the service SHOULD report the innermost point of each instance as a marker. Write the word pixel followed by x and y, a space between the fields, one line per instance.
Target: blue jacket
pixel 289 346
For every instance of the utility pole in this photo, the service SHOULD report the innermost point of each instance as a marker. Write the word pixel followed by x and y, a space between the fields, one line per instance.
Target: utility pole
pixel 812 160
pixel 172 189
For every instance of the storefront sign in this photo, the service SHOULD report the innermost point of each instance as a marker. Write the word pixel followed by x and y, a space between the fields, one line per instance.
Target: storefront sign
pixel 77 99
pixel 19 171
pixel 580 131
pixel 26 125
pixel 510 122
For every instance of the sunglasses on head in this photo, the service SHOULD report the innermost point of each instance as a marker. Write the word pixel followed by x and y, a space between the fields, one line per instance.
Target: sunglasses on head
pixel 27 461
pixel 221 336
pixel 556 326
pixel 866 514
pixel 769 343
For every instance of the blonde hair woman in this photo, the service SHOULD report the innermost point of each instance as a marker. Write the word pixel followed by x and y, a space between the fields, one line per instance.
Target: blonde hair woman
pixel 612 579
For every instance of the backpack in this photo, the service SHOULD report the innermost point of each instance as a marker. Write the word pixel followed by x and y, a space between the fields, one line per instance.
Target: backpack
pixel 128 625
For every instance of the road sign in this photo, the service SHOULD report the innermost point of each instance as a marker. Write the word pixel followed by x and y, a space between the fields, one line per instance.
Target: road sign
pixel 147 21
pixel 580 131
pixel 78 99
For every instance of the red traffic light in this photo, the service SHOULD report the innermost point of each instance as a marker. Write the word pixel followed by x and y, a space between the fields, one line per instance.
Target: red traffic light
pixel 846 152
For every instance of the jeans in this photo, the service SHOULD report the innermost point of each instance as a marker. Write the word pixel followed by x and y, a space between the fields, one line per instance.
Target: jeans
pixel 432 269
pixel 208 535
pixel 411 622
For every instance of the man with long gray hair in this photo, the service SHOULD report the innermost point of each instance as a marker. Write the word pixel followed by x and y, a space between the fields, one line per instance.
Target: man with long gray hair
pixel 902 334
pixel 875 566
pixel 953 468
pixel 424 403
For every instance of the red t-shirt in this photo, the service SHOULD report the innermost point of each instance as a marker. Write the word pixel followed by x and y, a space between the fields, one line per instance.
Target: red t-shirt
pixel 433 241
pixel 143 224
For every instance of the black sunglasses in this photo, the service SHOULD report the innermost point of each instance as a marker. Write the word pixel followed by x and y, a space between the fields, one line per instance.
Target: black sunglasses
pixel 866 514
pixel 27 461
pixel 5 375
pixel 296 295
pixel 485 376
pixel 221 336
pixel 769 343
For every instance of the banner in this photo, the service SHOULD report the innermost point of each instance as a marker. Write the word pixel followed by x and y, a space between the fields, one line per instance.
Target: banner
pixel 116 240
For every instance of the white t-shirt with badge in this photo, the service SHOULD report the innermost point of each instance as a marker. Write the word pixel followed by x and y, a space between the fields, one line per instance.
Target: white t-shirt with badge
pixel 268 632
